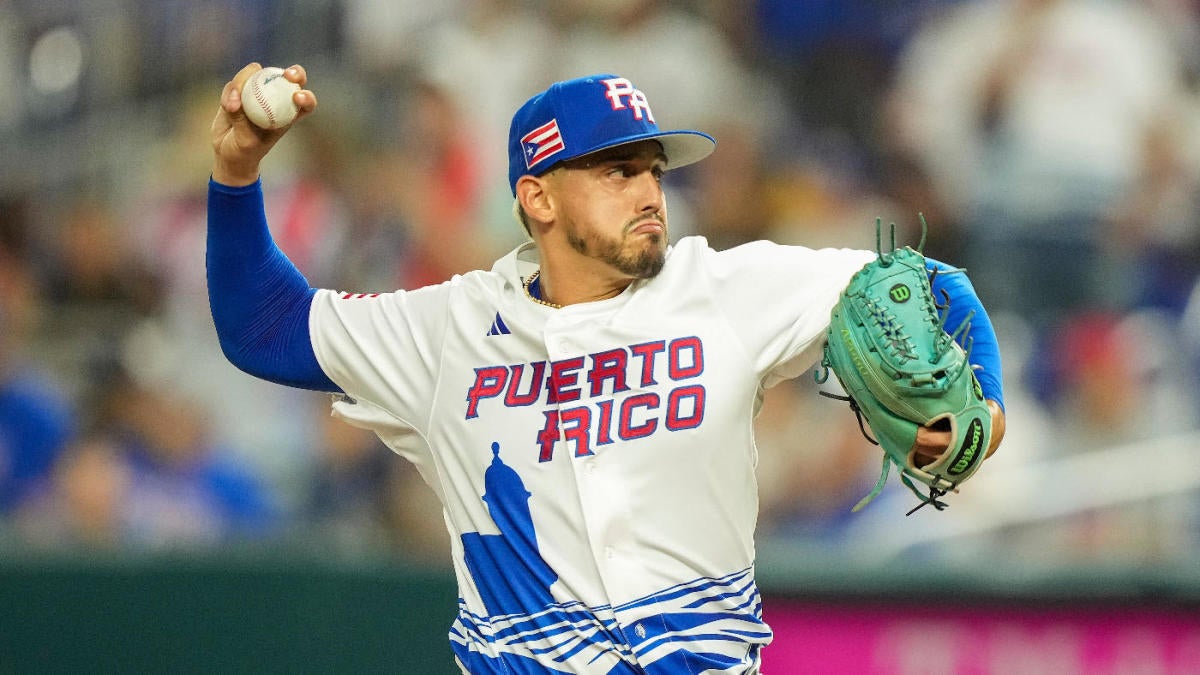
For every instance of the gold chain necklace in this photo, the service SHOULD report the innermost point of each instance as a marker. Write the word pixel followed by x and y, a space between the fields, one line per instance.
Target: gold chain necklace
pixel 528 283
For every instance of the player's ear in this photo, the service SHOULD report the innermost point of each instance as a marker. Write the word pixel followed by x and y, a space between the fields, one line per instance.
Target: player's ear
pixel 535 199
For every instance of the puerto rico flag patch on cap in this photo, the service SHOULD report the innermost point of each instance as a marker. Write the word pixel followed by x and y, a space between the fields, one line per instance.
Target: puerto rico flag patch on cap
pixel 544 141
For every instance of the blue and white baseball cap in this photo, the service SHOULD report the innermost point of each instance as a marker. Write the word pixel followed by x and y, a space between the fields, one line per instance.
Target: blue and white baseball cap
pixel 576 117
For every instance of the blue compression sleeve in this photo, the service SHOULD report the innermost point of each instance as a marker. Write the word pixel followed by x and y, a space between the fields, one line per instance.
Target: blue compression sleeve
pixel 985 348
pixel 259 300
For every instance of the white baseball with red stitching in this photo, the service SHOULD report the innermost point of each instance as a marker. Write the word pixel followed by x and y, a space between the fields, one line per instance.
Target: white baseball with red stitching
pixel 267 99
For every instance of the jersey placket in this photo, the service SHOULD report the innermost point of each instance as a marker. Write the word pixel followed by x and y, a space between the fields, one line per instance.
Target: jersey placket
pixel 602 494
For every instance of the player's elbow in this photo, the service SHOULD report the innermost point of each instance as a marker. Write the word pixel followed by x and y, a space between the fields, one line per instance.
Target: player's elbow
pixel 240 351
pixel 234 352
pixel 281 353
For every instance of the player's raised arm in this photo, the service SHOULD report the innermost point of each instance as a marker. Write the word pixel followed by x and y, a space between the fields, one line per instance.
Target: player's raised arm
pixel 260 302
pixel 238 144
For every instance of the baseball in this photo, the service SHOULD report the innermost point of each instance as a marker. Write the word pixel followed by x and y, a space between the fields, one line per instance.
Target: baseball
pixel 267 99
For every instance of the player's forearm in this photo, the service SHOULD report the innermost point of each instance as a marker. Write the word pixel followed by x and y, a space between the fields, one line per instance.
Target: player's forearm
pixel 999 424
pixel 985 347
pixel 259 301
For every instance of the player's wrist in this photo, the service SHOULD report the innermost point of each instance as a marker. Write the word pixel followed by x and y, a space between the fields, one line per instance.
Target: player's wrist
pixel 234 176
pixel 998 426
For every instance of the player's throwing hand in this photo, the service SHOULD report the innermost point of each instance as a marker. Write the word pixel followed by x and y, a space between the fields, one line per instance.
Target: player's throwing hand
pixel 238 145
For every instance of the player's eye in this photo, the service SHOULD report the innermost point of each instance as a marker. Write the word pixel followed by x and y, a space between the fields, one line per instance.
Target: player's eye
pixel 627 170
pixel 621 171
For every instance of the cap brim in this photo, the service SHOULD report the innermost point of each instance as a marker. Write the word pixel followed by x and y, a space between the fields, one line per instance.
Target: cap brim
pixel 685 147
pixel 682 147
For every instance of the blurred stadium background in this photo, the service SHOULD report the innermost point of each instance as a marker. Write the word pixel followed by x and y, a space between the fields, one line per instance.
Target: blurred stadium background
pixel 161 512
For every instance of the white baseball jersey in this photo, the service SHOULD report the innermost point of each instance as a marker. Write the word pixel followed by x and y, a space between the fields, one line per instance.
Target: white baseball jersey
pixel 595 462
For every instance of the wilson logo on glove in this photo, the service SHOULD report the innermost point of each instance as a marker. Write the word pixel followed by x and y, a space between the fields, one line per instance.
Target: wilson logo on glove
pixel 966 454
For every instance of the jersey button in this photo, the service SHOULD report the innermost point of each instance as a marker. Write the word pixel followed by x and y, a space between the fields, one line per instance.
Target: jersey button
pixel 609 552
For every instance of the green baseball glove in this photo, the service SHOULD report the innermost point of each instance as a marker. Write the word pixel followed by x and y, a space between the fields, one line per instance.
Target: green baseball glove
pixel 901 370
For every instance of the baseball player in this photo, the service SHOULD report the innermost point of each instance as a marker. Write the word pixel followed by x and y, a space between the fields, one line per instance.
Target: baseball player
pixel 583 409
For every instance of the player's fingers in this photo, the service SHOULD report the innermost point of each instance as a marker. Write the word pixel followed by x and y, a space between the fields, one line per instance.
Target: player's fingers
pixel 931 438
pixel 296 73
pixel 930 444
pixel 304 99
pixel 231 98
pixel 231 95
pixel 244 74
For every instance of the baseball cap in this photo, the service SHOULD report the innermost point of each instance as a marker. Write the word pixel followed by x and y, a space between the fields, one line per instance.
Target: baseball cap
pixel 580 116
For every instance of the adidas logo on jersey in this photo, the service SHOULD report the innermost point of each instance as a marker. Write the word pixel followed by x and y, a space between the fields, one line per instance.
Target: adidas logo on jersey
pixel 498 327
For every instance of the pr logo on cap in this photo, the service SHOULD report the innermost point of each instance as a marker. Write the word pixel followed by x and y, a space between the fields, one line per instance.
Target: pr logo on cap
pixel 619 88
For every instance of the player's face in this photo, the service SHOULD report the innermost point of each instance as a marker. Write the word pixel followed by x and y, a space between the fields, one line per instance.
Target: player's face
pixel 613 207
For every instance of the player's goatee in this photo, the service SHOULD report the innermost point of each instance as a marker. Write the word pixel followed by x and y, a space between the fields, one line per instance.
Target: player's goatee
pixel 646 264
pixel 643 263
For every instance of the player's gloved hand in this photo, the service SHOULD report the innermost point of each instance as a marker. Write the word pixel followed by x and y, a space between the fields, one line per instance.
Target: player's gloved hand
pixel 238 145
pixel 932 443
pixel 908 379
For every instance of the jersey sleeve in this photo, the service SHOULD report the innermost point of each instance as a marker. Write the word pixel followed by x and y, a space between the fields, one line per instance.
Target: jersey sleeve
pixel 384 348
pixel 777 300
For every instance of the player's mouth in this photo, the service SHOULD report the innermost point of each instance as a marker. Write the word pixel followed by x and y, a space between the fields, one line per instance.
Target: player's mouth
pixel 652 226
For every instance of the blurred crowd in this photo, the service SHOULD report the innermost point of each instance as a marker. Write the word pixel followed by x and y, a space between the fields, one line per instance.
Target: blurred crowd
pixel 1053 146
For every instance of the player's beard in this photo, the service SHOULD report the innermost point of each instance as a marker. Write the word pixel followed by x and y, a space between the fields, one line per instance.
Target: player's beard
pixel 639 256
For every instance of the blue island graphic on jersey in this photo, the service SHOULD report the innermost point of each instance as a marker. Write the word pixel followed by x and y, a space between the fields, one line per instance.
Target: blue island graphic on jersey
pixel 514 580
pixel 523 619
pixel 508 567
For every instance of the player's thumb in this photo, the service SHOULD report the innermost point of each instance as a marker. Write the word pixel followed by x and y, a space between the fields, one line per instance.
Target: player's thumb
pixel 231 97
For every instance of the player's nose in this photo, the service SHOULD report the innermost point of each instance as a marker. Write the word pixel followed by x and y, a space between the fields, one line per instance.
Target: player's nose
pixel 649 192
